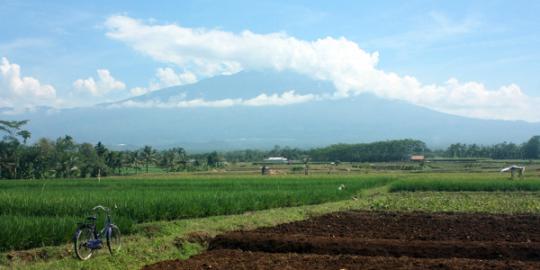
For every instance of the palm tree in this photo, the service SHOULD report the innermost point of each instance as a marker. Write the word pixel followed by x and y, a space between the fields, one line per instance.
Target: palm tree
pixel 25 134
pixel 8 158
pixel 134 160
pixel 127 161
pixel 67 166
pixel 148 156
pixel 173 159
pixel 167 160
pixel 10 127
pixel 114 161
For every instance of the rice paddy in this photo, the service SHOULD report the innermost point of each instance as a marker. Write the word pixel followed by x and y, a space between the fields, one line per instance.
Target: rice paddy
pixel 464 182
pixel 36 213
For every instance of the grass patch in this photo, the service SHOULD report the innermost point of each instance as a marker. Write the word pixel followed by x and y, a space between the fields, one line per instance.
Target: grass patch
pixel 462 182
pixel 489 202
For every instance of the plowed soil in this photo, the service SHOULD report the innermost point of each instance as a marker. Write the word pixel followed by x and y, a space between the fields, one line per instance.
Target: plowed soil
pixel 378 240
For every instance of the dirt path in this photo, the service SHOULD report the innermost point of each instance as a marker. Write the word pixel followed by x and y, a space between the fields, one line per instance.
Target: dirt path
pixel 375 240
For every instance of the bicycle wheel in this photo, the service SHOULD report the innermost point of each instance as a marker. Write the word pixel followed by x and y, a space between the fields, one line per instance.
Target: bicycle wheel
pixel 81 238
pixel 113 239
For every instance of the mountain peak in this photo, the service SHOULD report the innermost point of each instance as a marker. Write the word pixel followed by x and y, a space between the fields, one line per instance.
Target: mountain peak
pixel 242 85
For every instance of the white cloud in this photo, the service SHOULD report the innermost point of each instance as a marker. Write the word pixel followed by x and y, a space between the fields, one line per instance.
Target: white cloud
pixel 165 77
pixel 104 84
pixel 343 62
pixel 286 98
pixel 22 92
pixel 137 91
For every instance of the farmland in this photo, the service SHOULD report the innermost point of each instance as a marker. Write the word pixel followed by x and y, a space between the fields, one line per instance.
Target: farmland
pixel 378 240
pixel 159 211
pixel 50 209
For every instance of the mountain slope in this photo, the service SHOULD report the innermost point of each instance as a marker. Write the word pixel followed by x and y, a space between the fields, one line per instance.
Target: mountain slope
pixel 359 119
pixel 241 85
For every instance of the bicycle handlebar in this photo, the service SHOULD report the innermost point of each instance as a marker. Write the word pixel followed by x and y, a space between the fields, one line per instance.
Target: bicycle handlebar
pixel 102 208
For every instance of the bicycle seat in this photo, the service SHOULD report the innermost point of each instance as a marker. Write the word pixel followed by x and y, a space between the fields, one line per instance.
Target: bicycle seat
pixel 93 218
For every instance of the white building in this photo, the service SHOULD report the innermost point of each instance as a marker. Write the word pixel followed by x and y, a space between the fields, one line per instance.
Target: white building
pixel 276 160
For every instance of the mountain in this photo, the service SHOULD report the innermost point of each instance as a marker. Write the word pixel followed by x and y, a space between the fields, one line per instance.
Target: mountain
pixel 362 118
pixel 241 85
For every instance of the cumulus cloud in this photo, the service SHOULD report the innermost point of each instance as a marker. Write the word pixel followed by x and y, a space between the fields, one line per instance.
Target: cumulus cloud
pixel 100 87
pixel 286 98
pixel 165 77
pixel 137 91
pixel 19 92
pixel 352 70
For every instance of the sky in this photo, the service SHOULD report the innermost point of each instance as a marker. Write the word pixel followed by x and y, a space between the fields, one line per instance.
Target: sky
pixel 471 58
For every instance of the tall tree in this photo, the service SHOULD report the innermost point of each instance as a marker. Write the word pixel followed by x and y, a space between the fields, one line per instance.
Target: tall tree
pixel 114 161
pixel 9 151
pixel 213 159
pixel 148 156
pixel 101 150
pixel 9 155
pixel 88 160
pixel 25 134
pixel 12 127
pixel 64 156
pixel 531 149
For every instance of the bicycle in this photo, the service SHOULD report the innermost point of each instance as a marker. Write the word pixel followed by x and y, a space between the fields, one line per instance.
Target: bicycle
pixel 87 239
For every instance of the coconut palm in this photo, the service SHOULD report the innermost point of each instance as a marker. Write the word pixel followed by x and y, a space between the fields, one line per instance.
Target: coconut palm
pixel 148 156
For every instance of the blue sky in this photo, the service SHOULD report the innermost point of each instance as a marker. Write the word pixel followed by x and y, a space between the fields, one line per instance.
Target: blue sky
pixel 491 43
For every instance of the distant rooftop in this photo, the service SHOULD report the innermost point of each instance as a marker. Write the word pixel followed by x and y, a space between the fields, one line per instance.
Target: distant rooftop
pixel 276 159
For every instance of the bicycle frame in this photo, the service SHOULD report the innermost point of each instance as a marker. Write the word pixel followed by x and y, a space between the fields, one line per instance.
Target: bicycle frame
pixel 95 239
pixel 98 235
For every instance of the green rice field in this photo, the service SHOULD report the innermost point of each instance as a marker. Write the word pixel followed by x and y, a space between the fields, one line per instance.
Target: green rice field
pixel 36 213
pixel 464 182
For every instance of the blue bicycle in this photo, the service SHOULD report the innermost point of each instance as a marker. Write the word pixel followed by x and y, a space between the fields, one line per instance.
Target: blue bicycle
pixel 88 239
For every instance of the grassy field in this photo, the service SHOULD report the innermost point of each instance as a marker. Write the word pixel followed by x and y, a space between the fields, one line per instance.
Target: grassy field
pixel 464 182
pixel 40 213
pixel 490 202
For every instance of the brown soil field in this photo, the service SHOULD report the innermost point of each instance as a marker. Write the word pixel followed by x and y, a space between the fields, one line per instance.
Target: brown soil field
pixel 378 240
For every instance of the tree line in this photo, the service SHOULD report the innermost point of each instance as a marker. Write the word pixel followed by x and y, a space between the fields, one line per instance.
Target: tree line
pixel 65 158
pixel 392 150
pixel 527 150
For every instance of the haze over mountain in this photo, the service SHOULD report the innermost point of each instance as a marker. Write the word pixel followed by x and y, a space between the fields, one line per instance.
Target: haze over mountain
pixel 229 112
